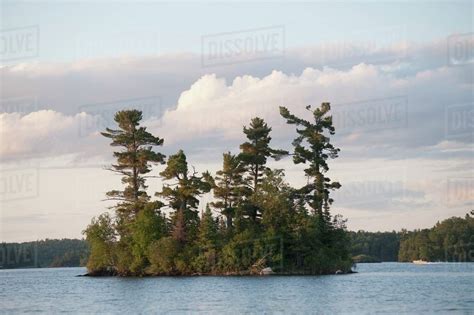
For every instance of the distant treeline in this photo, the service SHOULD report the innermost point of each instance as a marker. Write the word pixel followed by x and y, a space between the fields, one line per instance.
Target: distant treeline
pixel 44 253
pixel 381 246
pixel 449 240
pixel 375 247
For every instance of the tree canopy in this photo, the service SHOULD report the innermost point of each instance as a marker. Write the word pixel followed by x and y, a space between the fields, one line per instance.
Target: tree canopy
pixel 450 240
pixel 256 219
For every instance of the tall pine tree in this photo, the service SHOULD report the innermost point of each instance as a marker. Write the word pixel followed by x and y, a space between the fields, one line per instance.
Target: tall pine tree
pixel 182 195
pixel 229 187
pixel 133 161
pixel 254 155
pixel 313 146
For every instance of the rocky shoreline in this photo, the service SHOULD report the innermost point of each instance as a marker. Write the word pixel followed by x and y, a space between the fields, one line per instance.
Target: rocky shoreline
pixel 114 273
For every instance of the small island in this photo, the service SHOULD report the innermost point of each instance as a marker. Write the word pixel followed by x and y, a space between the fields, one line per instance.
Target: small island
pixel 257 223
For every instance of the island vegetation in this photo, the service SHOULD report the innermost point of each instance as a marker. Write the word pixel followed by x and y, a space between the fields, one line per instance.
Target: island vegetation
pixel 256 221
pixel 365 247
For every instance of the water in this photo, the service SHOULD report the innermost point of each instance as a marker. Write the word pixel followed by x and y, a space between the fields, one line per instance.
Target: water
pixel 377 288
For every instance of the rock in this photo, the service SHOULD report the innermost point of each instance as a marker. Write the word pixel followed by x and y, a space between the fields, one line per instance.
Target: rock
pixel 104 272
pixel 266 271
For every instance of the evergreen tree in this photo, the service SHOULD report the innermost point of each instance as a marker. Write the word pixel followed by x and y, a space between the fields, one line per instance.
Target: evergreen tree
pixel 143 240
pixel 278 217
pixel 133 162
pixel 182 195
pixel 276 203
pixel 313 146
pixel 207 237
pixel 229 187
pixel 149 226
pixel 325 240
pixel 254 155
pixel 449 240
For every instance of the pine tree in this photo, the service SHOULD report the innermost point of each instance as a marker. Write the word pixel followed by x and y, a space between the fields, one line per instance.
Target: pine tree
pixel 313 146
pixel 260 209
pixel 254 155
pixel 133 162
pixel 207 242
pixel 229 187
pixel 149 226
pixel 182 195
pixel 325 239
pixel 207 237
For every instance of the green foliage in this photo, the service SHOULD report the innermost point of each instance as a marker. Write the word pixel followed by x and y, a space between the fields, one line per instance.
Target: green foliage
pixel 133 162
pixel 262 221
pixel 138 221
pixel 182 195
pixel 229 187
pixel 207 230
pixel 163 254
pixel 44 253
pixel 254 155
pixel 238 254
pixel 100 235
pixel 256 151
pixel 150 225
pixel 451 240
pixel 382 246
pixel 275 198
pixel 326 237
pixel 312 146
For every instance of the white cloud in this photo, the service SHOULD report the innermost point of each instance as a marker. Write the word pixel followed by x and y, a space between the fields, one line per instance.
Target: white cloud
pixel 65 87
pixel 211 108
pixel 46 133
pixel 205 114
pixel 211 105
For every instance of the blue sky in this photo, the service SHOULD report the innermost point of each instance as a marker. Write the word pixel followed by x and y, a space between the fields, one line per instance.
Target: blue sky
pixel 65 26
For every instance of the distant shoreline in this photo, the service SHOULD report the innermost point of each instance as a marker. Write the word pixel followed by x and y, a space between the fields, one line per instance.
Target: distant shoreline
pixel 366 247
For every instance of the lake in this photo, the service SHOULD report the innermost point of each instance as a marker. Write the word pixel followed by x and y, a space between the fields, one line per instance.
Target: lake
pixel 384 288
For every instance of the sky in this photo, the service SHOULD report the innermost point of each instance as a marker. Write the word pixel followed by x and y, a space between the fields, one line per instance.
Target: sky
pixel 399 76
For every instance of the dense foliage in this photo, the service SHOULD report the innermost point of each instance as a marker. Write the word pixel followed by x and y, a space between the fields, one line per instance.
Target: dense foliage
pixel 256 220
pixel 45 253
pixel 451 240
pixel 374 246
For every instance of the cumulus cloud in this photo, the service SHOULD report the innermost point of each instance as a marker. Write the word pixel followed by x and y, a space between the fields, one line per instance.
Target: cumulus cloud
pixel 397 117
pixel 370 105
pixel 65 87
pixel 373 109
pixel 46 133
